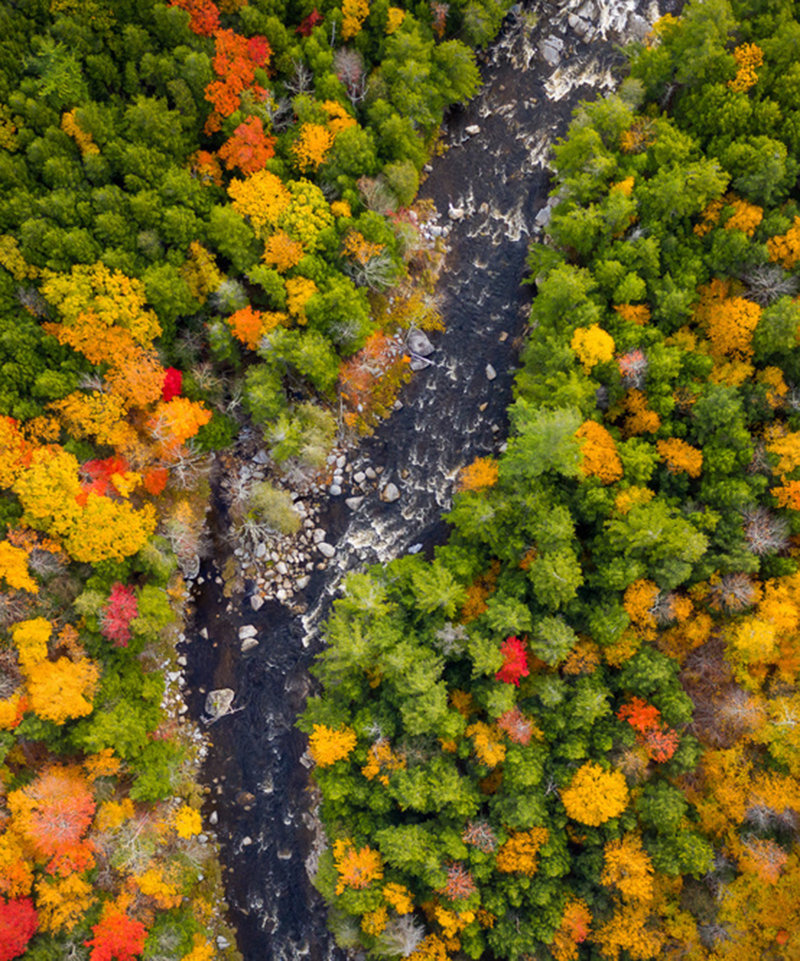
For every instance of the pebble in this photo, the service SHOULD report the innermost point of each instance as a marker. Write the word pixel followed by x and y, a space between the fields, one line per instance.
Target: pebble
pixel 341 460
pixel 390 493
pixel 491 373
pixel 327 550
pixel 472 129
pixel 256 602
pixel 281 568
pixel 213 817
pixel 247 630
pixel 303 582
pixel 319 535
pixel 246 842
pixel 359 477
pixel 334 490
pixel 370 472
pixel 182 660
pixel 249 643
pixel 354 502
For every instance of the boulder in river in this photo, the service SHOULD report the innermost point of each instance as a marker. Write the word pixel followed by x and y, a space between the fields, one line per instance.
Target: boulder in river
pixel 218 702
pixel 418 343
pixel 390 493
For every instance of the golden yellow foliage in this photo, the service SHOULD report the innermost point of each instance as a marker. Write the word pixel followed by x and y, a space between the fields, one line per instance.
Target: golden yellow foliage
pixel 749 58
pixel 341 208
pixel 399 897
pixel 153 884
pixel 187 822
pixel 30 638
pixel 680 456
pixel 599 453
pixel 729 322
pixel 14 568
pixel 630 930
pixel 640 418
pixel 338 117
pixel 61 690
pixel 583 658
pixel 299 290
pixel 592 345
pixel 16 872
pixel 281 252
pixel 202 950
pixel 327 746
pixel 628 868
pixel 487 742
pixel 312 145
pixel 634 313
pixel 520 852
pixel 114 299
pixel 373 922
pixel 262 198
pixel 11 258
pixel 354 12
pixel 594 795
pixel 62 902
pixel 483 472
pixel 356 868
pixel 112 814
pixel 382 761
pixel 639 600
pixel 70 126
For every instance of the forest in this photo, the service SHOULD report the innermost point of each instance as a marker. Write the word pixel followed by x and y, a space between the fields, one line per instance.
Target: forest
pixel 206 227
pixel 574 732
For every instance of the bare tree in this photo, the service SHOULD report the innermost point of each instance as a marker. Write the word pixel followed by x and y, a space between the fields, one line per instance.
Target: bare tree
pixel 348 65
pixel 767 282
pixel 765 532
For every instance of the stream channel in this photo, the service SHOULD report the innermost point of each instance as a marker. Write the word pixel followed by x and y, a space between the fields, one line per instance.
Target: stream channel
pixel 489 187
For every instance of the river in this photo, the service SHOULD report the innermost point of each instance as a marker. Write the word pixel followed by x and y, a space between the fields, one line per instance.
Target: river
pixel 494 182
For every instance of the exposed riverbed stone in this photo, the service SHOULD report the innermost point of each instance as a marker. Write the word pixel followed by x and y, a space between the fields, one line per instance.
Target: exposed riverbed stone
pixel 218 702
pixel 354 502
pixel 390 493
pixel 256 602
pixel 491 373
pixel 327 550
pixel 418 343
pixel 248 644
pixel 247 630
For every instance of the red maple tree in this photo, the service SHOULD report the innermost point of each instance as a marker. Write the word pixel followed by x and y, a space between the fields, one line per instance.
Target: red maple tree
pixel 117 937
pixel 173 383
pixel 118 614
pixel 203 14
pixel 18 924
pixel 312 20
pixel 515 665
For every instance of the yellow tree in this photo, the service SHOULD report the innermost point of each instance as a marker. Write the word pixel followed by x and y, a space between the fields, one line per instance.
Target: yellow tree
pixel 628 869
pixel 595 795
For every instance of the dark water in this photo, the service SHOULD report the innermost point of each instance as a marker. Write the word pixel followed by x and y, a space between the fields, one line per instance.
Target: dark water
pixel 452 412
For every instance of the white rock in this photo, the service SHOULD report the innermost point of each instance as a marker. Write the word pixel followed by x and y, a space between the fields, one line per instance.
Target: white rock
pixel 327 550
pixel 472 129
pixel 248 644
pixel 334 490
pixel 213 817
pixel 341 460
pixel 223 943
pixel 491 373
pixel 551 48
pixel 319 535
pixel 256 602
pixel 370 472
pixel 455 213
pixel 390 493
pixel 247 630
pixel 219 702
pixel 204 634
pixel 354 502
pixel 281 594
pixel 182 661
pixel 418 343
pixel 359 477
pixel 281 568
pixel 303 582
pixel 261 457
pixel 261 550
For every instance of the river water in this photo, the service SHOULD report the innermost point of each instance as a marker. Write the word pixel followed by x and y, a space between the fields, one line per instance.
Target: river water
pixel 495 183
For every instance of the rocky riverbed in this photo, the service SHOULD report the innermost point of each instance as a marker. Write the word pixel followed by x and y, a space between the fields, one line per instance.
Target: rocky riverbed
pixel 258 617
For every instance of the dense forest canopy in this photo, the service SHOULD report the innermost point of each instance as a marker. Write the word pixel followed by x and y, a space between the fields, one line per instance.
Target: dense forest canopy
pixel 574 733
pixel 206 223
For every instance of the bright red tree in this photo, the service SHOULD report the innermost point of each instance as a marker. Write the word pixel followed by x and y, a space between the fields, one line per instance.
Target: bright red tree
pixel 118 614
pixel 173 382
pixel 204 15
pixel 117 937
pixel 18 924
pixel 515 665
